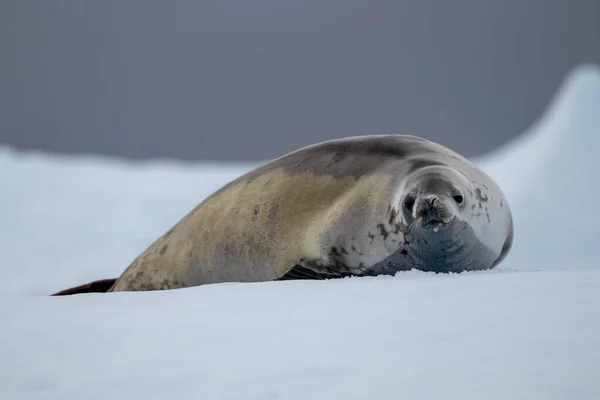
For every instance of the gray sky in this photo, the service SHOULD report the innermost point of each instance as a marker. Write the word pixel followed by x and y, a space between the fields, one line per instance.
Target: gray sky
pixel 239 80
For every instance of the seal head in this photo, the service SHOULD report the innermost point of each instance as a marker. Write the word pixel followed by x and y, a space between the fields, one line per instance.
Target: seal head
pixel 444 231
pixel 441 237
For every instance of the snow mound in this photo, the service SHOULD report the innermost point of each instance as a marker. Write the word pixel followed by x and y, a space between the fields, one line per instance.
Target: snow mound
pixel 550 175
pixel 506 333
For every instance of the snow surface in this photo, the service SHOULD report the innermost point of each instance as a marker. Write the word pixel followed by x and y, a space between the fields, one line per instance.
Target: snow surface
pixel 528 330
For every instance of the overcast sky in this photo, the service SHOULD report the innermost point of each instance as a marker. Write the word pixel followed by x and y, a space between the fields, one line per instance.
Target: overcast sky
pixel 240 80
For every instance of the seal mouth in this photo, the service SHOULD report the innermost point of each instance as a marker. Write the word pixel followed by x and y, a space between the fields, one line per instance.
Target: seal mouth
pixel 433 222
pixel 433 225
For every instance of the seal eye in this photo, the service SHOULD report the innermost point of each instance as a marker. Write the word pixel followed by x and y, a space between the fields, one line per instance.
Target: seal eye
pixel 458 199
pixel 409 203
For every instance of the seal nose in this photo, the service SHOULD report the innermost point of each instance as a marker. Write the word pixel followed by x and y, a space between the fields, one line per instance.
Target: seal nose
pixel 428 211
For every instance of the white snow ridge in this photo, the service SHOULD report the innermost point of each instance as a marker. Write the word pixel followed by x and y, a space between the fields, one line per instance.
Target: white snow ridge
pixel 528 330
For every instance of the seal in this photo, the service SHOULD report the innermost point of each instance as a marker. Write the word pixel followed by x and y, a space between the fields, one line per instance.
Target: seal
pixel 356 206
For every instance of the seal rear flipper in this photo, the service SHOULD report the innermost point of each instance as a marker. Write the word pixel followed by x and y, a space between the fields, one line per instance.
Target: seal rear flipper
pixel 99 286
pixel 300 272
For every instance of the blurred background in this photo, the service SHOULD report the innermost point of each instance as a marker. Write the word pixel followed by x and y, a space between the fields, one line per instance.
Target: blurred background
pixel 239 80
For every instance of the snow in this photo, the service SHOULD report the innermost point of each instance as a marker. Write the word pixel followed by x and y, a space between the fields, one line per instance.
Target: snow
pixel 550 175
pixel 528 330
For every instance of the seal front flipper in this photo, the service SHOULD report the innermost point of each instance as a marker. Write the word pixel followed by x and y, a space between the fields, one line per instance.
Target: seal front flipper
pixel 99 286
pixel 298 272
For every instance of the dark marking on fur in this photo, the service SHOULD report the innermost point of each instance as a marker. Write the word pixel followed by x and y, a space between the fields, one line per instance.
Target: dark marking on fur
pixel 343 251
pixel 404 252
pixel 334 250
pixel 272 216
pixel 371 236
pixel 382 231
pixel 401 227
pixel 353 247
pixel 480 196
pixel 393 214
pixel 336 158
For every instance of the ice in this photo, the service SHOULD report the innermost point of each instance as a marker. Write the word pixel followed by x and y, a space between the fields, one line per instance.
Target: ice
pixel 520 335
pixel 551 177
pixel 528 330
